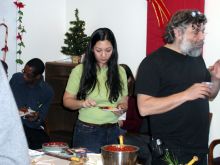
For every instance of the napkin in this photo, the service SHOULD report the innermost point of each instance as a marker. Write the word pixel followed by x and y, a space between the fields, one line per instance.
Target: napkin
pixel 35 153
pixel 122 117
pixel 94 159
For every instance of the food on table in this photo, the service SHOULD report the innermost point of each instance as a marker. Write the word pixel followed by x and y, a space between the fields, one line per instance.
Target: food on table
pixel 54 146
pixel 79 156
pixel 116 148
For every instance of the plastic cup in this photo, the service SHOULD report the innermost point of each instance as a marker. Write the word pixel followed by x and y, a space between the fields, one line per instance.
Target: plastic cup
pixel 210 84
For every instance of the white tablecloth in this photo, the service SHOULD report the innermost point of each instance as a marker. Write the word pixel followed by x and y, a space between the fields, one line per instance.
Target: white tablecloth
pixel 39 158
pixel 48 160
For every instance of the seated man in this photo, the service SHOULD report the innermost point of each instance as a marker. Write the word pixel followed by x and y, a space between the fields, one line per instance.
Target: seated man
pixel 31 92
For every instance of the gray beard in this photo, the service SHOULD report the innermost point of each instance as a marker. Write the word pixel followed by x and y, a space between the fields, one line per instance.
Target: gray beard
pixel 188 49
pixel 195 52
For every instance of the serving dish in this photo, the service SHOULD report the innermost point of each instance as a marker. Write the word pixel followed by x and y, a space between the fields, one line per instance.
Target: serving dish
pixel 119 154
pixel 54 147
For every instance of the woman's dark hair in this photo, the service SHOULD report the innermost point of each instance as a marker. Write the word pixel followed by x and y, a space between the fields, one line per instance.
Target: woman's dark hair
pixel 183 18
pixel 89 75
pixel 37 65
pixel 130 77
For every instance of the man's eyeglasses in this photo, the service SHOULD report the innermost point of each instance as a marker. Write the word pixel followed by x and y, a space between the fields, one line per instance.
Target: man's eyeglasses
pixel 195 13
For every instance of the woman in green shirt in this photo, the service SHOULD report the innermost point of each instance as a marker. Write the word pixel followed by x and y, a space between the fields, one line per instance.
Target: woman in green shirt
pixel 98 81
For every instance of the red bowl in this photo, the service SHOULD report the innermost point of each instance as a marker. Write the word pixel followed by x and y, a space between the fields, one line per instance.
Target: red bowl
pixel 54 146
pixel 118 148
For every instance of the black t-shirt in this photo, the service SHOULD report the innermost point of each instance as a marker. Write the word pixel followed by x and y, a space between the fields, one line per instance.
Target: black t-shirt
pixel 166 72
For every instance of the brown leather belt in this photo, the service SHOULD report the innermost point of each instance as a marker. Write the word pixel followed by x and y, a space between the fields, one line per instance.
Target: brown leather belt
pixel 107 125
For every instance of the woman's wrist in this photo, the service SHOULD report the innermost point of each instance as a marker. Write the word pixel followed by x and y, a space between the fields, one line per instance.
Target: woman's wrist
pixel 120 123
pixel 122 106
pixel 82 104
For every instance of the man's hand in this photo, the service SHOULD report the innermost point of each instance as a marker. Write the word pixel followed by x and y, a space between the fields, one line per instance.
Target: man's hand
pixel 23 110
pixel 120 123
pixel 215 69
pixel 198 90
pixel 33 116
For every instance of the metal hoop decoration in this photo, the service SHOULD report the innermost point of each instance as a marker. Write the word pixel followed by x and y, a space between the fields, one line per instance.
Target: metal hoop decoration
pixel 5 48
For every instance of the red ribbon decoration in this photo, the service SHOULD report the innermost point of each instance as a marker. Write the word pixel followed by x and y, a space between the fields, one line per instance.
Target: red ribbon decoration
pixel 161 11
pixel 19 4
pixel 20 30
pixel 5 48
pixel 19 37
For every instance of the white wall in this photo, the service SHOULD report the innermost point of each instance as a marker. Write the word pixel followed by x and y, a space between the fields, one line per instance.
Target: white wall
pixel 45 29
pixel 44 21
pixel 8 16
pixel 211 54
pixel 126 18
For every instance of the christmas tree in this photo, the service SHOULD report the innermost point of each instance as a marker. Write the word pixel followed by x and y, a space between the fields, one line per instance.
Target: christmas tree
pixel 76 40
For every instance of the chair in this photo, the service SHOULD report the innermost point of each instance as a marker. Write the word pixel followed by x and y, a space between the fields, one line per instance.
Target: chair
pixel 211 160
pixel 210 118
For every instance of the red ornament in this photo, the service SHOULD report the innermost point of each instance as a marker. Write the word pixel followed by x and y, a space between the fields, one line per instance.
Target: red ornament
pixel 19 37
pixel 19 4
pixel 20 30
pixel 5 49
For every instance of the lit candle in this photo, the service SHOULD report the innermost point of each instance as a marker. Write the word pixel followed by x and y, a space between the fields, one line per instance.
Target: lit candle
pixel 121 140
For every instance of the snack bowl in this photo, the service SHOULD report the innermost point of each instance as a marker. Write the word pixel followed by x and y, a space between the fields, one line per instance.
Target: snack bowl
pixel 119 154
pixel 55 147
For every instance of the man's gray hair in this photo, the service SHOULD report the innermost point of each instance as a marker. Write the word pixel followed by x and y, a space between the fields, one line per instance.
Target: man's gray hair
pixel 183 18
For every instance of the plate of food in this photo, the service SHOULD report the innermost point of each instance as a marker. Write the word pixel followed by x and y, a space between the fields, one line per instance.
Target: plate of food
pixel 25 111
pixel 62 150
pixel 109 108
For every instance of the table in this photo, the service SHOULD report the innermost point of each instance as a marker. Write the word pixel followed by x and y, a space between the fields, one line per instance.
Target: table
pixel 41 158
pixel 48 160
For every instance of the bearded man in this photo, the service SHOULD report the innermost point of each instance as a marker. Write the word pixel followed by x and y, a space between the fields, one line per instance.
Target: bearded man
pixel 171 90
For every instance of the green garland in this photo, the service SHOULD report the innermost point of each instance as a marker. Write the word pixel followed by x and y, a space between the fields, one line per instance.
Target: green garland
pixel 20 31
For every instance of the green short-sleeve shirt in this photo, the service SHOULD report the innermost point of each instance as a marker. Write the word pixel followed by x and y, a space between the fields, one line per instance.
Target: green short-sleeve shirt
pixel 99 94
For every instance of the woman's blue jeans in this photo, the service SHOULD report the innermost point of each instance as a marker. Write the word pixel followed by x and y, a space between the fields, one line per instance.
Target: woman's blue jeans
pixel 94 137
